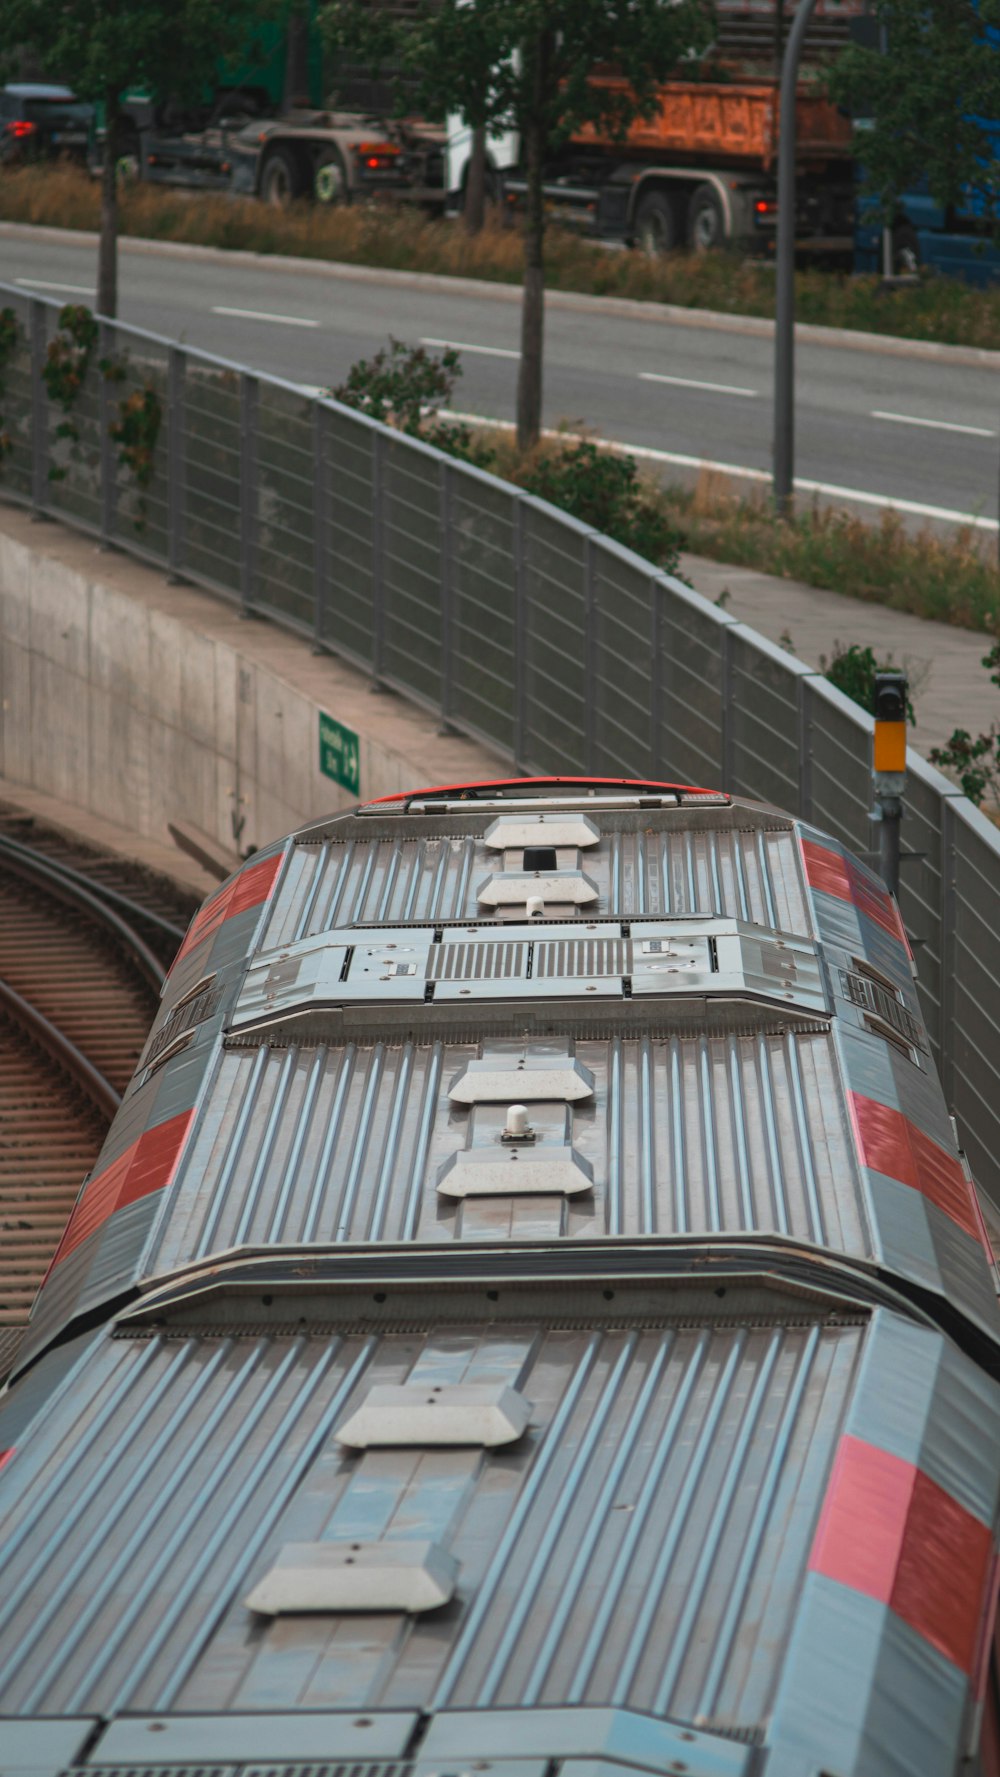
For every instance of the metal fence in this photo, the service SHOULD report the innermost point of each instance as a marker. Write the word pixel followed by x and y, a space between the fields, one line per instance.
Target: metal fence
pixel 560 650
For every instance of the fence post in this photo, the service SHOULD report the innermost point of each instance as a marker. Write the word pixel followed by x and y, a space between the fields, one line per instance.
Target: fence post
pixel 589 653
pixel 321 521
pixel 655 685
pixel 105 345
pixel 447 638
pixel 378 556
pixel 39 451
pixel 248 487
pixel 520 637
pixel 949 951
pixel 727 735
pixel 175 462
pixel 805 725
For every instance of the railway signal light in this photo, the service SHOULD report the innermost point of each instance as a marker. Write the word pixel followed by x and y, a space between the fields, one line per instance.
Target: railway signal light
pixel 890 722
pixel 889 769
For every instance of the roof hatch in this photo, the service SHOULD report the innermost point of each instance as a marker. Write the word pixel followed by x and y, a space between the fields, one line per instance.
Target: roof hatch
pixel 423 1414
pixel 343 1576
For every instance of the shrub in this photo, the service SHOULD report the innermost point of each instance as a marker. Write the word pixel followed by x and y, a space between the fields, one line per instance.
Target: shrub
pixel 401 385
pixel 853 671
pixel 975 762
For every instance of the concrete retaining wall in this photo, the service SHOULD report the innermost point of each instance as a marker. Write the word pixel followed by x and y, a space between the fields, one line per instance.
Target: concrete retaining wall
pixel 144 702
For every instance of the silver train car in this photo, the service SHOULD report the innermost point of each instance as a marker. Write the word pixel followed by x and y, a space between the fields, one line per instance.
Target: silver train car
pixel 530 1316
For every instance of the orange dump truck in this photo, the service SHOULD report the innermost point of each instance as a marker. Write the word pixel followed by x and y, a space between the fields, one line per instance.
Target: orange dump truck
pixel 701 171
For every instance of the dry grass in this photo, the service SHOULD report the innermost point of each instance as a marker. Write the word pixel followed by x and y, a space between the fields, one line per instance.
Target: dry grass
pixel 951 578
pixel 937 309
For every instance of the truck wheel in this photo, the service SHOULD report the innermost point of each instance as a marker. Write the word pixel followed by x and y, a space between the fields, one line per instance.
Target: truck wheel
pixel 706 221
pixel 280 183
pixel 330 178
pixel 655 229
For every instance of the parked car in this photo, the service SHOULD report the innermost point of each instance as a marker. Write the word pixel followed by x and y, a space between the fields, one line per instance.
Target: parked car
pixel 43 122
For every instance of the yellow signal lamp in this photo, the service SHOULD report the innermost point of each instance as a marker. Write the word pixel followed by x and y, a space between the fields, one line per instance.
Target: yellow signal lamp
pixel 890 722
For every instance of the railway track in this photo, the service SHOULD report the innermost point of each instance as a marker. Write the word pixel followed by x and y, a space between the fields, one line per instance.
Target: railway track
pixel 84 941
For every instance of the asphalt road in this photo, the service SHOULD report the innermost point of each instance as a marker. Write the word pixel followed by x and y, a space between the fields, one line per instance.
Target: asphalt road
pixel 873 427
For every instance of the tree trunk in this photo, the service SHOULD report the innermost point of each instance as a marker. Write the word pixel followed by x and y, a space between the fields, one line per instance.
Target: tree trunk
pixel 107 252
pixel 474 207
pixel 529 382
pixel 297 59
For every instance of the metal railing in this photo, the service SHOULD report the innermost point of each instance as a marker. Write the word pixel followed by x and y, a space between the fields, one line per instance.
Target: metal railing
pixel 559 649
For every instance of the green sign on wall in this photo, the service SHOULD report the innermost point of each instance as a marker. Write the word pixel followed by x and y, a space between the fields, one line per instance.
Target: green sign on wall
pixel 339 753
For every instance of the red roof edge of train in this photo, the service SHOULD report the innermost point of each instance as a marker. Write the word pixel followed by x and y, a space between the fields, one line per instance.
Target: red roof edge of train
pixel 498 783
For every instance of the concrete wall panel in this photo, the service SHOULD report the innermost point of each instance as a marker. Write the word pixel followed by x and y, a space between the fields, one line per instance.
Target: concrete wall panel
pixel 146 703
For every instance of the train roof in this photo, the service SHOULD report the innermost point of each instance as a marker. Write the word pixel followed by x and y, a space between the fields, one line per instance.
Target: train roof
pixel 529 1314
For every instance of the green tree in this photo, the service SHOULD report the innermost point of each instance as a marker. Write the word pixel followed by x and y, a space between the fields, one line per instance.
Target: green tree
pixel 526 65
pixel 105 46
pixel 926 102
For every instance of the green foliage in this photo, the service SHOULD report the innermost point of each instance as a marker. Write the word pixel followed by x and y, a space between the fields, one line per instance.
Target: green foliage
pixel 399 386
pixel 107 45
pixel 64 372
pixel 975 762
pixel 602 489
pixel 928 100
pixel 484 58
pixel 136 430
pixel 10 334
pixel 68 357
pixel 853 671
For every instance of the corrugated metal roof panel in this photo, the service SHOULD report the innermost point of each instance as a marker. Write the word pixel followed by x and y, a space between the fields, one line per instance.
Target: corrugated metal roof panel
pixel 752 873
pixel 644 1545
pixel 683 1134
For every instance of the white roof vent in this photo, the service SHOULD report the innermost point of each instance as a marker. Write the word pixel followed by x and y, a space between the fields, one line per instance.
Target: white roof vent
pixel 514 1171
pixel 528 1078
pixel 485 1414
pixel 513 832
pixel 342 1576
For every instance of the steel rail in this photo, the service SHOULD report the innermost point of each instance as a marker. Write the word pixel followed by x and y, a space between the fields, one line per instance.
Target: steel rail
pixel 66 1054
pixel 114 897
pixel 71 888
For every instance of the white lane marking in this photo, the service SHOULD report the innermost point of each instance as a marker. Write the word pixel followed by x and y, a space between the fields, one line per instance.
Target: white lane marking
pixel 262 315
pixel 911 419
pixel 44 284
pixel 888 502
pixel 688 382
pixel 458 345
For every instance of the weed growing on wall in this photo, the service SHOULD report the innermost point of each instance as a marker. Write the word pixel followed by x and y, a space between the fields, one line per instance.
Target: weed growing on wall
pixel 136 429
pixel 64 372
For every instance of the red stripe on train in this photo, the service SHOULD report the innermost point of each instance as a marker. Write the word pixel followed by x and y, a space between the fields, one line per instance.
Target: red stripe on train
pixel 888 1142
pixel 833 873
pixel 889 1531
pixel 252 886
pixel 149 1165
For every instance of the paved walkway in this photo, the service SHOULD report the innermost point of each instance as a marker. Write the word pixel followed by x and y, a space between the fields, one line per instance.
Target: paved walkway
pixel 950 688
